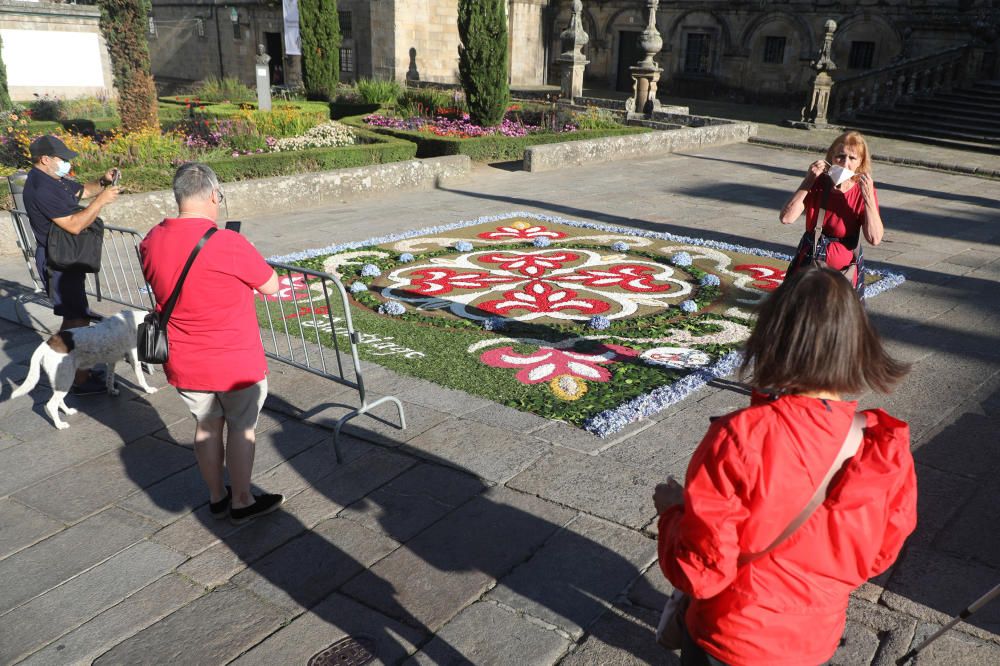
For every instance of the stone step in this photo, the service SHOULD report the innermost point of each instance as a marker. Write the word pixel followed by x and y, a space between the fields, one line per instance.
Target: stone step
pixel 894 132
pixel 943 130
pixel 922 119
pixel 943 110
pixel 947 102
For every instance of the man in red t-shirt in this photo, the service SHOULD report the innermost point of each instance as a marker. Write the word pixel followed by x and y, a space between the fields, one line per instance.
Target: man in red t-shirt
pixel 217 361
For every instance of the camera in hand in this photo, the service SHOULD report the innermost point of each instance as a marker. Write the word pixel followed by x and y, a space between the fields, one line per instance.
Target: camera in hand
pixel 234 225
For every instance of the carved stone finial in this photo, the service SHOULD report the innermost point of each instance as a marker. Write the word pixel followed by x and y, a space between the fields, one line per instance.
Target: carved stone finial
pixel 824 63
pixel 574 37
pixel 572 60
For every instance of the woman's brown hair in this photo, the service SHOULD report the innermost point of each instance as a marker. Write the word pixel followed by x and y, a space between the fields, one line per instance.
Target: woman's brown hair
pixel 852 140
pixel 812 334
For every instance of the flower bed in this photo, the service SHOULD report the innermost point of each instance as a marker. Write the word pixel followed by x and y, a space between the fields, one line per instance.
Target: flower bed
pixel 489 148
pixel 590 324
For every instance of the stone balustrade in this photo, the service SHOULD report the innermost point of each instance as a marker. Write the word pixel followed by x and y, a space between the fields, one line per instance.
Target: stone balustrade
pixel 902 80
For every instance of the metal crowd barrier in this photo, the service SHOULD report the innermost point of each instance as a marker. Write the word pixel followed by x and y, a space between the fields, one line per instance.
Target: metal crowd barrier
pixel 312 308
pixel 315 301
pixel 120 279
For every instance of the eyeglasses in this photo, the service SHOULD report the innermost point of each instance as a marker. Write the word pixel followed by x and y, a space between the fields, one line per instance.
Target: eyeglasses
pixel 222 197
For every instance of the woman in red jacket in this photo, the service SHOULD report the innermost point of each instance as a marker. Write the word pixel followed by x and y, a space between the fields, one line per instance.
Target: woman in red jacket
pixel 758 467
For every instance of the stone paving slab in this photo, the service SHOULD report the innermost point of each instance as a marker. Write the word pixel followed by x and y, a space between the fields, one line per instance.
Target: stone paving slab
pixel 596 485
pixel 148 605
pixel 954 649
pixel 35 623
pixel 22 526
pixel 45 565
pixel 622 638
pixel 414 500
pixel 453 562
pixel 489 635
pixel 577 574
pixel 97 483
pixel 328 622
pixel 304 571
pixel 212 629
pixel 495 454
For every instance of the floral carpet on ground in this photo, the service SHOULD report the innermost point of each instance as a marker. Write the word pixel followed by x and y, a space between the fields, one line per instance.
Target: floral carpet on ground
pixel 587 323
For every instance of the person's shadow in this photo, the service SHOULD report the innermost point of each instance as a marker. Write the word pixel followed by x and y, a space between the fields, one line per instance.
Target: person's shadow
pixel 394 544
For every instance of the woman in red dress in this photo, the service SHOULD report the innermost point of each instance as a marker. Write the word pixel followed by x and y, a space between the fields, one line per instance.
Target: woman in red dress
pixel 844 182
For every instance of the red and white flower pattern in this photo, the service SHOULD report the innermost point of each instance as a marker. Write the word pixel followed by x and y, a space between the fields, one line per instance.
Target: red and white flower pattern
pixel 521 231
pixel 765 277
pixel 290 288
pixel 547 363
pixel 529 284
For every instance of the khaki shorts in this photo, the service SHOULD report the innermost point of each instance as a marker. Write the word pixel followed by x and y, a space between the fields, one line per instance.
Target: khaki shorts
pixel 240 408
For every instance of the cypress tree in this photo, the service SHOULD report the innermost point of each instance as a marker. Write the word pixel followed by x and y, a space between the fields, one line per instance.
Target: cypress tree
pixel 124 24
pixel 482 59
pixel 5 102
pixel 319 30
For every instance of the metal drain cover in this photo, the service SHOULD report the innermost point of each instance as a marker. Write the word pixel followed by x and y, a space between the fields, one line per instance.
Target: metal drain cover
pixel 346 652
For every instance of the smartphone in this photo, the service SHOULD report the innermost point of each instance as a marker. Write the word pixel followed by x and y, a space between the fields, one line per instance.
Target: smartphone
pixel 115 177
pixel 234 225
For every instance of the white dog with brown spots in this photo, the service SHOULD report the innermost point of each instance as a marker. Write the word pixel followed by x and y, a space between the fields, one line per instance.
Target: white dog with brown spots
pixel 108 342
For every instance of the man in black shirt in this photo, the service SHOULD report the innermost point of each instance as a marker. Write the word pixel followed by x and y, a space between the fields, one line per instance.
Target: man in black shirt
pixel 51 198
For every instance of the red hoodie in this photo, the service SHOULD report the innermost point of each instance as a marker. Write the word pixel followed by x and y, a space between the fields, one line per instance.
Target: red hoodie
pixel 750 477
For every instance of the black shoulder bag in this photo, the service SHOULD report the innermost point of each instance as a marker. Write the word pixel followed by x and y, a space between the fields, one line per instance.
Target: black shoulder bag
pixel 849 271
pixel 77 252
pixel 152 334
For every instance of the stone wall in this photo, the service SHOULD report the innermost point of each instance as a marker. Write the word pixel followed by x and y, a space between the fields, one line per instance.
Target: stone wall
pixel 736 37
pixel 54 49
pixel 192 42
pixel 551 156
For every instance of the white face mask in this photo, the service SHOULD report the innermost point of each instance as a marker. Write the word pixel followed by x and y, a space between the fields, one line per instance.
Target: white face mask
pixel 839 174
pixel 63 168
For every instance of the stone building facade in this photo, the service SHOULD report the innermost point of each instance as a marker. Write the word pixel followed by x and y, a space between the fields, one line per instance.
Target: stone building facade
pixel 757 50
pixel 54 49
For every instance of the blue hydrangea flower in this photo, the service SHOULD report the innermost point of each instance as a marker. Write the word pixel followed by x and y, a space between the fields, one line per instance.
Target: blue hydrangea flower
pixel 371 270
pixel 619 246
pixel 541 241
pixel 494 323
pixel 358 286
pixel 405 258
pixel 599 322
pixel 393 308
pixel 463 246
pixel 689 306
pixel 681 259
pixel 710 281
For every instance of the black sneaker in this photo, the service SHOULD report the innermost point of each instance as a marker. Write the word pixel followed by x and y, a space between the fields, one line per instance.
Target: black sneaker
pixel 220 509
pixel 89 387
pixel 263 504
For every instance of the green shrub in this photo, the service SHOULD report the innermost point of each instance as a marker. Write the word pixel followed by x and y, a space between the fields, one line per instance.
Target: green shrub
pixel 493 148
pixel 92 108
pixel 482 59
pixel 423 102
pixel 228 89
pixel 383 92
pixel 5 101
pixel 46 108
pixel 124 25
pixel 596 118
pixel 319 27
pixel 378 150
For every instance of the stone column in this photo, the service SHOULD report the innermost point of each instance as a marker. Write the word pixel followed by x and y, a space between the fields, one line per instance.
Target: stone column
pixel 646 73
pixel 814 114
pixel 572 60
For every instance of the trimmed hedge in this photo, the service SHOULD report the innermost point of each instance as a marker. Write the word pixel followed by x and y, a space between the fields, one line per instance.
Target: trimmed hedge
pixel 486 148
pixel 380 150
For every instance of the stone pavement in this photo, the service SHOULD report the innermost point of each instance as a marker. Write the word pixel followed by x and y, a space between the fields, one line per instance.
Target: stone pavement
pixel 481 534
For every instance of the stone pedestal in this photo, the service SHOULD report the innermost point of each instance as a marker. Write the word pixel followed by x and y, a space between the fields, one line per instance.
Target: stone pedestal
pixel 646 73
pixel 572 61
pixel 814 114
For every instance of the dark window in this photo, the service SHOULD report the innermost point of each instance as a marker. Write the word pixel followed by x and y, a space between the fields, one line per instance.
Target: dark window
pixel 347 60
pixel 346 30
pixel 696 59
pixel 862 54
pixel 237 33
pixel 774 50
